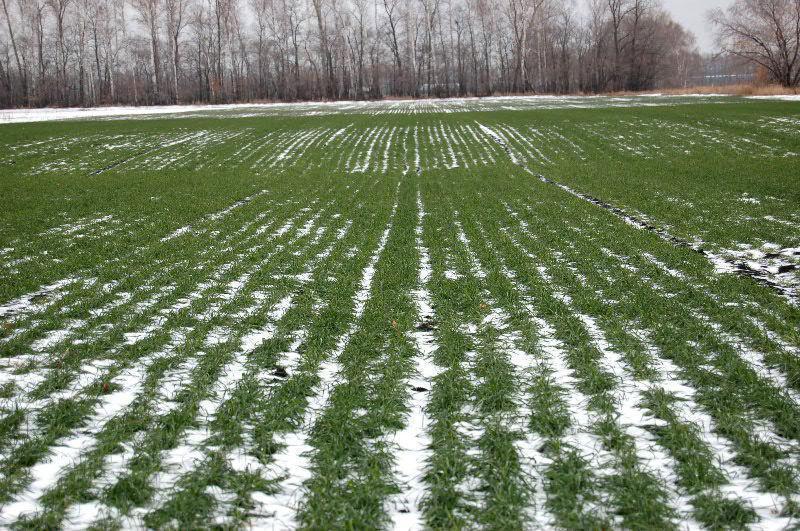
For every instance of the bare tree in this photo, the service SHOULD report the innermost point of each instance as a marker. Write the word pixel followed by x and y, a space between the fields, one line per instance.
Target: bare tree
pixel 357 42
pixel 565 32
pixel 23 74
pixel 766 32
pixel 637 47
pixel 392 23
pixel 618 11
pixel 175 11
pixel 36 17
pixel 430 8
pixel 521 15
pixel 149 14
pixel 261 9
pixel 324 47
pixel 80 29
pixel 59 8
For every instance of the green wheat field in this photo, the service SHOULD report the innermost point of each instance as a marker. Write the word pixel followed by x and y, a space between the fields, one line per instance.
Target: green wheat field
pixel 508 314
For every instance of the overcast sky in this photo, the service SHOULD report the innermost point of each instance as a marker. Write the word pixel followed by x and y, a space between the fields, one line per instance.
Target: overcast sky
pixel 692 14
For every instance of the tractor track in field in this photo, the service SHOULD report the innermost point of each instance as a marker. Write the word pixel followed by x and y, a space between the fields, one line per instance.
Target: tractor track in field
pixel 146 151
pixel 720 262
pixel 120 162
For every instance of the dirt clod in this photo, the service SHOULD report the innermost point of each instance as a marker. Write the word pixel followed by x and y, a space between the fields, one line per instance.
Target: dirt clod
pixel 426 326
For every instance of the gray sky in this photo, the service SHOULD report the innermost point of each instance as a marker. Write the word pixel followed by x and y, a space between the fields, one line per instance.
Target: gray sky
pixel 692 14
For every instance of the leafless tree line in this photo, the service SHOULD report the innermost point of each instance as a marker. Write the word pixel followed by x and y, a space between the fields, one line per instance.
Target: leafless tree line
pixel 89 52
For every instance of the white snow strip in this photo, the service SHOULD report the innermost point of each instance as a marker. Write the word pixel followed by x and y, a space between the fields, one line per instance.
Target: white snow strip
pixel 412 450
pixel 69 450
pixel 753 358
pixel 191 453
pixel 25 304
pixel 214 216
pixel 663 267
pixel 630 394
pixel 497 137
pixel 55 337
pixel 779 97
pixel 443 105
pixel 293 461
pixel 767 506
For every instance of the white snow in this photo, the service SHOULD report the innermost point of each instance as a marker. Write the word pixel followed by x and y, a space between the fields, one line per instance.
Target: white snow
pixel 412 444
pixel 69 450
pixel 370 107
pixel 780 97
pixel 293 461
pixel 740 485
pixel 24 303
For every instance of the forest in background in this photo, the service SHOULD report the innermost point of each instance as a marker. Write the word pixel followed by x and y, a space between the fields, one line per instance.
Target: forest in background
pixel 96 52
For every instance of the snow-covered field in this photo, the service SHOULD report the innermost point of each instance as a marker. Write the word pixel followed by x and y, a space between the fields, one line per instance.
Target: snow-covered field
pixel 388 106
